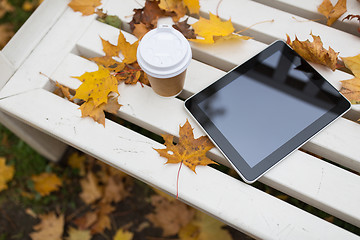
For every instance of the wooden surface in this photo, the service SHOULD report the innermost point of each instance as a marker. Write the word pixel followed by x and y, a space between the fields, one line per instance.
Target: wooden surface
pixel 331 186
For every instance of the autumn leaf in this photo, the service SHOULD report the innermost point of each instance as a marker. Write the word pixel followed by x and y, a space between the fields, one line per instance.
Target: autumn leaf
pixel 5 7
pixel 109 63
pixel 86 221
pixel 176 6
pixel 331 12
pixel 171 216
pixel 351 90
pixel 185 29
pixel 123 235
pixel 103 221
pixel 50 227
pixel 353 63
pixel 140 30
pixel 86 7
pixel 6 33
pixel 96 86
pixel 314 51
pixel 77 161
pixel 111 20
pixel 193 6
pixel 91 191
pixel 6 173
pixel 211 29
pixel 204 227
pixel 62 91
pixel 189 151
pixel 88 109
pixel 46 183
pixel 75 234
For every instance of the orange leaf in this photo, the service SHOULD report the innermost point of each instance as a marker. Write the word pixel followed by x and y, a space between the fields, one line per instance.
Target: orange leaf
pixel 190 151
pixel 6 173
pixel 314 51
pixel 46 183
pixel 213 28
pixel 86 7
pixel 332 13
pixel 353 63
pixel 175 6
pixel 88 109
pixel 128 50
pixel 97 86
pixel 140 30
pixel 50 227
pixel 103 221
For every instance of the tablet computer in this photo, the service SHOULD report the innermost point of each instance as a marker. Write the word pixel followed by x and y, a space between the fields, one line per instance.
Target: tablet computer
pixel 264 109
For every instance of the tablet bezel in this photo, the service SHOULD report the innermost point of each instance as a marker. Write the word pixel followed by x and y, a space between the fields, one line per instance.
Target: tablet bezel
pixel 247 173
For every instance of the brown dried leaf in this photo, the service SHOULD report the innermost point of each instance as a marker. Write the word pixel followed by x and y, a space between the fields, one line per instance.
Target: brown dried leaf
pixel 140 30
pixel 171 216
pixel 5 7
pixel 185 29
pixel 350 17
pixel 103 222
pixel 314 51
pixel 50 227
pixel 6 33
pixel 91 191
pixel 351 90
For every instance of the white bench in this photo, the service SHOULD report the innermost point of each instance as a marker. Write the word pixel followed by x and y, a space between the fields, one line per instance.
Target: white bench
pixel 55 37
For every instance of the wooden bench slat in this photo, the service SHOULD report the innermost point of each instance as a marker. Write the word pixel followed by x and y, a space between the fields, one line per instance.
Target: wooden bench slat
pixel 307 185
pixel 308 9
pixel 240 205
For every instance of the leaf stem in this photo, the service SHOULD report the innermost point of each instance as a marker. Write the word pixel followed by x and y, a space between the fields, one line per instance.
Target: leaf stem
pixel 272 20
pixel 177 181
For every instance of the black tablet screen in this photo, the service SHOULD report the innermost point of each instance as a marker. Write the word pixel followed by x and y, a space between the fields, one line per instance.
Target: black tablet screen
pixel 263 108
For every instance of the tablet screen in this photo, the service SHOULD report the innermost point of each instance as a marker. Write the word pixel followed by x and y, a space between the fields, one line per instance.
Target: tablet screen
pixel 266 108
pixel 244 109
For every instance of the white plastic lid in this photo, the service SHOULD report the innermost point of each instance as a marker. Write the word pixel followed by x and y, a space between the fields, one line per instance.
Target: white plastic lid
pixel 164 52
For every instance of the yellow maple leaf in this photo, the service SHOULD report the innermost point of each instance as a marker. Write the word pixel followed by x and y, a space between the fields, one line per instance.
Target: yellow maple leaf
pixel 109 63
pixel 123 235
pixel 45 183
pixel 86 7
pixel 331 12
pixel 50 227
pixel 6 173
pixel 314 51
pixel 353 63
pixel 97 86
pixel 204 227
pixel 189 151
pixel 77 161
pixel 213 28
pixel 193 6
pixel 128 50
pixel 75 234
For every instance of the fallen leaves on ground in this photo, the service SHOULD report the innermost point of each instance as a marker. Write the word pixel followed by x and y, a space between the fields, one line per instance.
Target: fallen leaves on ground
pixel 46 183
pixel 5 7
pixel 204 227
pixel 86 7
pixel 331 12
pixel 6 173
pixel 171 216
pixel 123 235
pixel 351 16
pixel 75 234
pixel 50 227
pixel 212 29
pixel 351 88
pixel 77 161
pixel 190 151
pixel 6 33
pixel 91 190
pixel 314 51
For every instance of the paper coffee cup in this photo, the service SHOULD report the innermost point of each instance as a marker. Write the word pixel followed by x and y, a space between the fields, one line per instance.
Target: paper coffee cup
pixel 164 54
